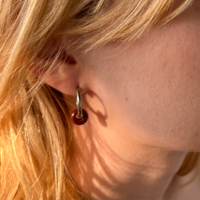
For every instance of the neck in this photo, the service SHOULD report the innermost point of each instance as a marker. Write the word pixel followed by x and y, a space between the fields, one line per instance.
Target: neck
pixel 108 165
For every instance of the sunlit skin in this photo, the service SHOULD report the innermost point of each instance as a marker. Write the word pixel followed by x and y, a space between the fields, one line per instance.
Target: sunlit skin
pixel 143 102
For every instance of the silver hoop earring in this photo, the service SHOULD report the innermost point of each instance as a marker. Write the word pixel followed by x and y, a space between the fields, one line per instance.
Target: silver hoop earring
pixel 79 116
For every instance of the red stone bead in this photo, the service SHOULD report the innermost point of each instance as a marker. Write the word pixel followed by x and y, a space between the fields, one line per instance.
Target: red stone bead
pixel 78 121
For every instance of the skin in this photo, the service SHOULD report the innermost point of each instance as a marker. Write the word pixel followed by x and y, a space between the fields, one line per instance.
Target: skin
pixel 142 99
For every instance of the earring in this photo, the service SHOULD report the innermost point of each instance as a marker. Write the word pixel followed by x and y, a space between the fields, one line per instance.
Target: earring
pixel 79 116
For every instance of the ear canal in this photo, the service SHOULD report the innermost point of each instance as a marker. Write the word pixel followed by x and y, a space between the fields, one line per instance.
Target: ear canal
pixel 70 60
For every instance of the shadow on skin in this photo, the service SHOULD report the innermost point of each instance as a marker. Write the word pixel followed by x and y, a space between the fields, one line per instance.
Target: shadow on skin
pixel 100 184
pixel 90 164
pixel 88 99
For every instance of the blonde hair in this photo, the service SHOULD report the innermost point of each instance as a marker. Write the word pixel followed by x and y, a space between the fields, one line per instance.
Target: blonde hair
pixel 36 134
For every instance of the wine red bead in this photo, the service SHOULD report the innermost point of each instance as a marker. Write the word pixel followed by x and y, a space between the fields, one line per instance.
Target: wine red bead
pixel 78 121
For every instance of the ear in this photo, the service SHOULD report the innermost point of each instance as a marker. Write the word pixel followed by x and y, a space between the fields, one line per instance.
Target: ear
pixel 65 77
pixel 66 72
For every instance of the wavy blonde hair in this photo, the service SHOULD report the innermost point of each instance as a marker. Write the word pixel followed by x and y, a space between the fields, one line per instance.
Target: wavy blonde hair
pixel 36 136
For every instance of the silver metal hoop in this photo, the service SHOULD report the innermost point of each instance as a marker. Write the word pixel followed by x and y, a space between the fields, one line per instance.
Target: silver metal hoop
pixel 78 104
